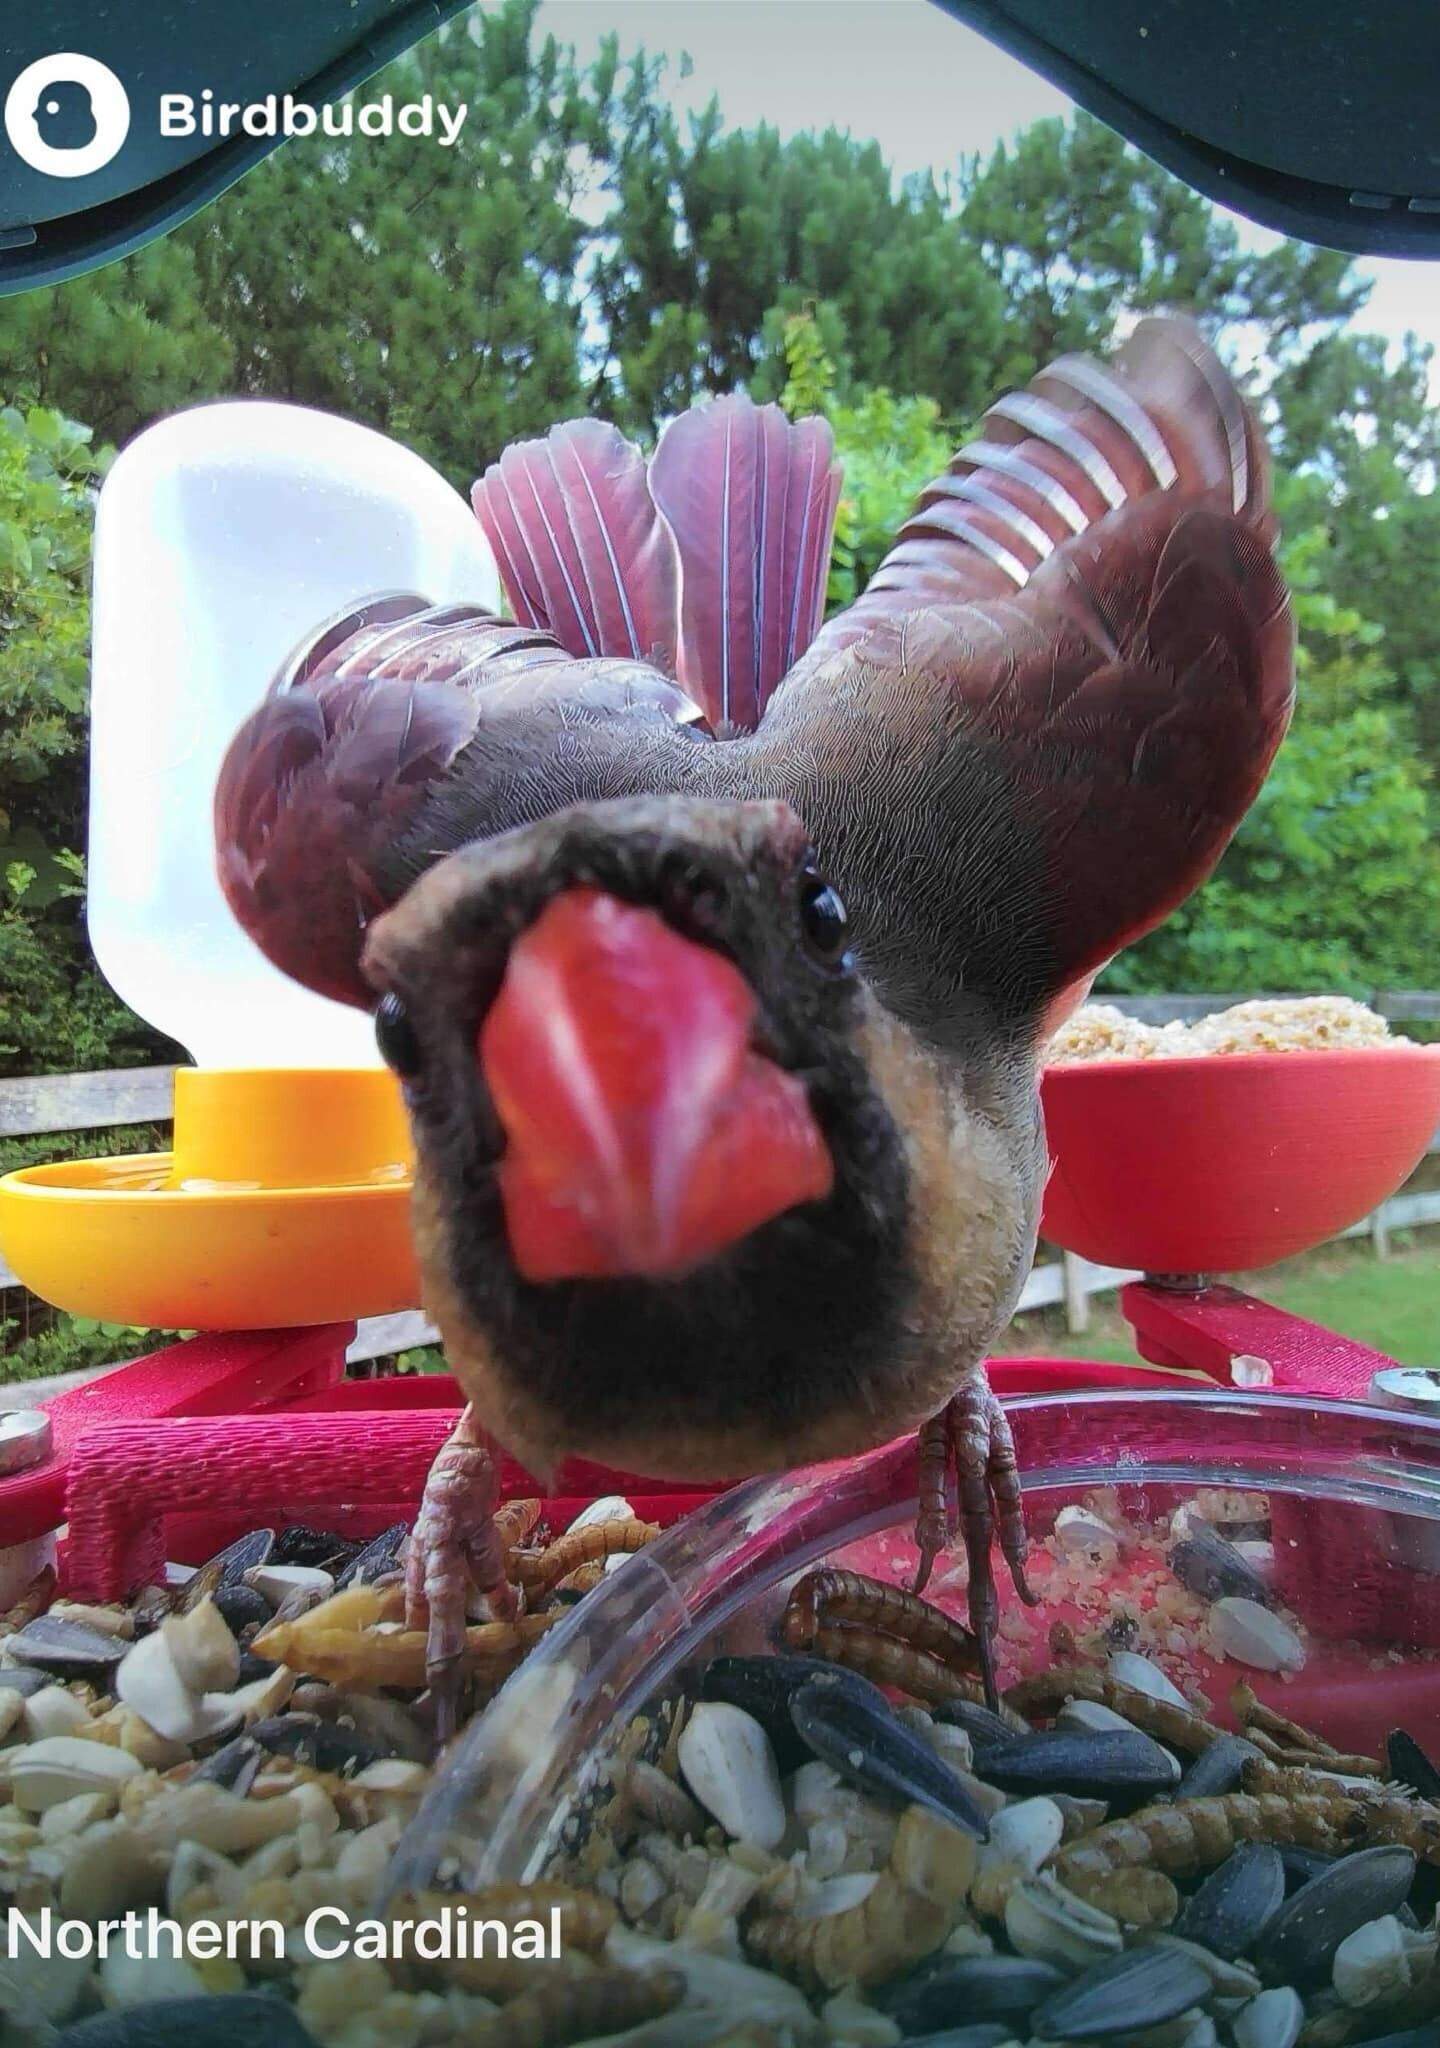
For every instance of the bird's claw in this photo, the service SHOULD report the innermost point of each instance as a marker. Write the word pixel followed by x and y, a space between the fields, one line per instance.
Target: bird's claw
pixel 455 1553
pixel 934 1522
pixel 972 1434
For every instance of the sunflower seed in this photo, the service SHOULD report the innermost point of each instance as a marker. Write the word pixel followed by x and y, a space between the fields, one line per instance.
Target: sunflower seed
pixel 1209 1566
pixel 1048 1924
pixel 1082 1764
pixel 321 1744
pixel 1217 1769
pixel 236 1766
pixel 1271 2020
pixel 979 1723
pixel 1132 1669
pixel 1093 1717
pixel 239 1557
pixel 1251 1634
pixel 1379 1962
pixel 67 1648
pixel 322 1547
pixel 874 1750
pixel 1300 1942
pixel 764 1687
pixel 381 1556
pixel 1409 1764
pixel 987 1987
pixel 1137 1989
pixel 242 1607
pixel 729 1766
pixel 1231 1910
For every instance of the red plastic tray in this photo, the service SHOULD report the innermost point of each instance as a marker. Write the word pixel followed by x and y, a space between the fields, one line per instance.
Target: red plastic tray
pixel 171 1456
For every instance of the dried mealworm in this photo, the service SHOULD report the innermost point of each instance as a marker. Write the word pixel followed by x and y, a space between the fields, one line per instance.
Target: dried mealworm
pixel 823 1598
pixel 607 2002
pixel 584 1579
pixel 538 1572
pixel 887 1662
pixel 1380 1814
pixel 1196 1834
pixel 341 1640
pixel 1410 1823
pixel 1292 1742
pixel 515 1521
pixel 34 1600
pixel 1289 1774
pixel 1177 1727
pixel 916 1902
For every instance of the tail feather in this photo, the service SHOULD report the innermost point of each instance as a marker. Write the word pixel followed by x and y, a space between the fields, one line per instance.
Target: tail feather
pixel 1083 441
pixel 751 499
pixel 581 549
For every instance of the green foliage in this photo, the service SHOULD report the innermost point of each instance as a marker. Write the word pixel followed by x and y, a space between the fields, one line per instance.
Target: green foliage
pixel 120 346
pixel 1360 443
pixel 430 292
pixel 889 448
pixel 54 1343
pixel 715 238
pixel 1078 228
pixel 55 1013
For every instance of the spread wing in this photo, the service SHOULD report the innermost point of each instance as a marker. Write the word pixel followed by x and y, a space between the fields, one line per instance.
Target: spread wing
pixel 382 715
pixel 1045 718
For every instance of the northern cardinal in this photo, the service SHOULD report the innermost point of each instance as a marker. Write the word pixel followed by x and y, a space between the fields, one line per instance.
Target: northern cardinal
pixel 716 949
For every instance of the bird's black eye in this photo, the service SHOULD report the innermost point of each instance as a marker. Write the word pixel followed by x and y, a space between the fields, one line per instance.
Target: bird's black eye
pixel 822 918
pixel 397 1039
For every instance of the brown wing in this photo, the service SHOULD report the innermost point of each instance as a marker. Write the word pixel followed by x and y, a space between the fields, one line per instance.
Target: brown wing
pixel 368 719
pixel 1068 759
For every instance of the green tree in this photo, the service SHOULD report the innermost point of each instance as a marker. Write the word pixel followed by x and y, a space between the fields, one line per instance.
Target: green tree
pixel 56 1015
pixel 432 292
pixel 715 239
pixel 1078 228
pixel 1359 441
pixel 118 347
pixel 429 291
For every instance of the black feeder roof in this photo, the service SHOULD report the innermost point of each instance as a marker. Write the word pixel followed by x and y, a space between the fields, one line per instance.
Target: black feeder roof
pixel 1321 120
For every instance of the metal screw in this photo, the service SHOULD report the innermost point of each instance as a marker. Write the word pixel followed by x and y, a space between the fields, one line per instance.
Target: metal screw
pixel 1415 1387
pixel 25 1439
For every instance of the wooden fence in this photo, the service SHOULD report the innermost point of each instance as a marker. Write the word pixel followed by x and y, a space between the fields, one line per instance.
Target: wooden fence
pixel 53 1103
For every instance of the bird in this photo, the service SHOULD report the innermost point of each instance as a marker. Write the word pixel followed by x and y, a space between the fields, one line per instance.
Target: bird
pixel 715 944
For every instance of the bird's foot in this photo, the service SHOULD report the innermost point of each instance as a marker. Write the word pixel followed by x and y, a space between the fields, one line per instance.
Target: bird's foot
pixel 454 1554
pixel 973 1434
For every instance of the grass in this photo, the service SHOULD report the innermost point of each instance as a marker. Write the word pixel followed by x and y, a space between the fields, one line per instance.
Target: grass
pixel 1390 1304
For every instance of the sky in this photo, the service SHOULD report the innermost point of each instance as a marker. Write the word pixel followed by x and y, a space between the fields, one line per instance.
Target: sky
pixel 926 88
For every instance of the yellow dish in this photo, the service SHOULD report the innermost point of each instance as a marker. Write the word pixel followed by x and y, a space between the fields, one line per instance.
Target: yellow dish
pixel 285 1201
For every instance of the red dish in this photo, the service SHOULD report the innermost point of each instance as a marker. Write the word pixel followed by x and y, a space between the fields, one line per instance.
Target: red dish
pixel 1228 1162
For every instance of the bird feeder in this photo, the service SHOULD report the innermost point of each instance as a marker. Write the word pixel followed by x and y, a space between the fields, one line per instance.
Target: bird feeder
pixel 222 534
pixel 1186 1168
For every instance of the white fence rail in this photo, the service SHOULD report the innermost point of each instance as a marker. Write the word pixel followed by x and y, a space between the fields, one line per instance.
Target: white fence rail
pixel 138 1095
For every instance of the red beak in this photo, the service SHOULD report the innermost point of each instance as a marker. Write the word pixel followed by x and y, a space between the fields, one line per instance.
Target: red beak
pixel 644 1133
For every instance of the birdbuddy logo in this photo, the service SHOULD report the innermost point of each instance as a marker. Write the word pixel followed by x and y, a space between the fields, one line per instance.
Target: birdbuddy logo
pixel 67 115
